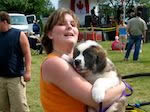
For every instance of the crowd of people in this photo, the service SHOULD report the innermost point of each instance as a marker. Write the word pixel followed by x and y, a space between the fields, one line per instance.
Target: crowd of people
pixel 137 33
pixel 131 35
pixel 59 84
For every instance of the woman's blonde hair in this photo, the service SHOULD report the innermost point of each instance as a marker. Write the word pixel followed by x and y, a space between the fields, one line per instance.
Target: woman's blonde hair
pixel 54 18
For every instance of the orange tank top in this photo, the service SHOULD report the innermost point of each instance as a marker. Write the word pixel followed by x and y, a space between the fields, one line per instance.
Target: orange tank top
pixel 54 99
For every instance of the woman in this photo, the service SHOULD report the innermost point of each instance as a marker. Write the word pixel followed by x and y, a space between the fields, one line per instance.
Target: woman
pixel 122 30
pixel 62 88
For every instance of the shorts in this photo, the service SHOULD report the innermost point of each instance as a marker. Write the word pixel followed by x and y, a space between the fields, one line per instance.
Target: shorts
pixel 123 39
pixel 13 95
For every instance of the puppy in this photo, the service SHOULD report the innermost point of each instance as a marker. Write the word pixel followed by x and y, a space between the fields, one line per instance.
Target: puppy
pixel 91 61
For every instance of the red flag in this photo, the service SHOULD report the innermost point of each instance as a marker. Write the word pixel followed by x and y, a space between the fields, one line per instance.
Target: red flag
pixel 80 5
pixel 72 7
pixel 87 6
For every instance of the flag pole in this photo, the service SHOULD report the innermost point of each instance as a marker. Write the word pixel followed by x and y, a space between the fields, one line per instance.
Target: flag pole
pixel 124 10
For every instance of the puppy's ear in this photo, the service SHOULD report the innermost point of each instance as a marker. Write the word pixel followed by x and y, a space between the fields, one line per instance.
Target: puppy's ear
pixel 100 60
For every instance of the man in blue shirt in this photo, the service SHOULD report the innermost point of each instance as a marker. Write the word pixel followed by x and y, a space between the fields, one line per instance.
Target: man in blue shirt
pixel 15 55
pixel 36 28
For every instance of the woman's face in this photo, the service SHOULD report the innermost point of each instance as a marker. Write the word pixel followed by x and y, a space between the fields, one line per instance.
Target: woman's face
pixel 65 32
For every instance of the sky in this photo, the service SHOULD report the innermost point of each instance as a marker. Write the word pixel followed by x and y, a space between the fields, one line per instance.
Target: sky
pixel 55 3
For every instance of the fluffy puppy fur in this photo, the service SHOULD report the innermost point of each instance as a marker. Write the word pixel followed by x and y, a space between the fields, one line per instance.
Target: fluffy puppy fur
pixel 91 61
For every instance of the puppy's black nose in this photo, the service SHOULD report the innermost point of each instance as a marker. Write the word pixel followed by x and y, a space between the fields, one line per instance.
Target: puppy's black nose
pixel 77 62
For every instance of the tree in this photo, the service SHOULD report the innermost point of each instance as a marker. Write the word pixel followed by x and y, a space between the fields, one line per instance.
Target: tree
pixel 37 7
pixel 145 2
pixel 13 5
pixel 114 4
pixel 50 8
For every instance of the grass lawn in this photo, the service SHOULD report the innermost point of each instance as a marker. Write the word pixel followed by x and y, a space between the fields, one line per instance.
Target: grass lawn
pixel 141 85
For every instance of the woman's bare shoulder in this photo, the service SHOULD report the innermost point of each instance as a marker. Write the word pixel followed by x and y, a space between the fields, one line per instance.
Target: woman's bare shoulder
pixel 55 68
pixel 54 63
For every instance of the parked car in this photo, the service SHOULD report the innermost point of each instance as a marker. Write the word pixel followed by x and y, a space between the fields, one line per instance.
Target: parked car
pixel 19 21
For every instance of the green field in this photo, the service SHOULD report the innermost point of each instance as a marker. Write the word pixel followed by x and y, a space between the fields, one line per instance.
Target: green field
pixel 141 85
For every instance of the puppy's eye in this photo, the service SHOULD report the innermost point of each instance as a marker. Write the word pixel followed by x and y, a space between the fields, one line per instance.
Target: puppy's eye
pixel 88 55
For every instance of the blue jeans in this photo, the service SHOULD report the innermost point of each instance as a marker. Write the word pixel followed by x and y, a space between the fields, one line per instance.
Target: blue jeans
pixel 137 41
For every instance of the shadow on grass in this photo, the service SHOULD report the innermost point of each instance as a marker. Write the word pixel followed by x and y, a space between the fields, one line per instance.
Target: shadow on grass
pixel 131 61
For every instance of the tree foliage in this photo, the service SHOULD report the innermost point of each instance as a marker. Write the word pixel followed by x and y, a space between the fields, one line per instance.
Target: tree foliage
pixel 37 7
pixel 112 5
pixel 50 8
pixel 13 5
pixel 115 3
pixel 145 2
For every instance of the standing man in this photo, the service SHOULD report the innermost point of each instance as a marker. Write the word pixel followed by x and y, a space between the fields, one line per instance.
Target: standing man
pixel 93 11
pixel 94 17
pixel 137 31
pixel 36 28
pixel 14 54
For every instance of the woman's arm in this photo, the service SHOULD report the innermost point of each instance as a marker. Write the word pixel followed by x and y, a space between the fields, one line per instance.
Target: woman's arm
pixel 60 73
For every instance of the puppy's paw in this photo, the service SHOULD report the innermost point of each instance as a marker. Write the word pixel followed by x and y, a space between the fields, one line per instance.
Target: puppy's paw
pixel 98 94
